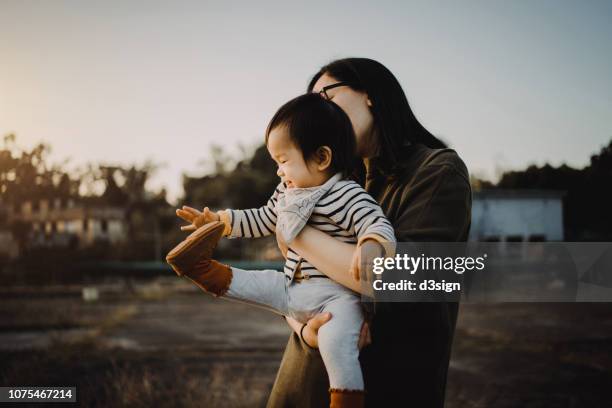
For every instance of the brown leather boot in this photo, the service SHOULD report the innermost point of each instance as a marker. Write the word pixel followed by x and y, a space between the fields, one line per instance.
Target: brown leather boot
pixel 197 247
pixel 346 398
pixel 211 276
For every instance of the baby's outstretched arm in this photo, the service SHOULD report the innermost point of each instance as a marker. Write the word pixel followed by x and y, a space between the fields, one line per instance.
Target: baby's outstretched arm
pixel 249 223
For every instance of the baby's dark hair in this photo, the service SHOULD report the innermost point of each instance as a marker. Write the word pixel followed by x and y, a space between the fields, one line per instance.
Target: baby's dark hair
pixel 313 122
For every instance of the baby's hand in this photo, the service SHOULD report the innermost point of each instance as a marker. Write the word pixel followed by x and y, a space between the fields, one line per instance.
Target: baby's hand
pixel 363 258
pixel 195 217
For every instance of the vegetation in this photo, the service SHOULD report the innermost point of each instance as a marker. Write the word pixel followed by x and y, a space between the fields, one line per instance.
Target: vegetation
pixel 588 194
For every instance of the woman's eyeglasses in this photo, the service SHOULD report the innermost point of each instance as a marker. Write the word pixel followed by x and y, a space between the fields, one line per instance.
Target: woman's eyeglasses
pixel 323 91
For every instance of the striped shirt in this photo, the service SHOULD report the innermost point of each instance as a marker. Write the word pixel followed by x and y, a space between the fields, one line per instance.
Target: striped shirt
pixel 346 212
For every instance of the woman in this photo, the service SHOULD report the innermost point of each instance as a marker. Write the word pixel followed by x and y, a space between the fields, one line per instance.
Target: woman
pixel 424 190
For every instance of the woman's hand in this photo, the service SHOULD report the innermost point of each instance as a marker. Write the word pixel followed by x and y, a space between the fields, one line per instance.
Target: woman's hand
pixel 310 332
pixel 196 218
pixel 363 258
pixel 364 337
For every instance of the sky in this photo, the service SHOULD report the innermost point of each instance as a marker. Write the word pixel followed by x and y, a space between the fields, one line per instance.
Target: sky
pixel 505 83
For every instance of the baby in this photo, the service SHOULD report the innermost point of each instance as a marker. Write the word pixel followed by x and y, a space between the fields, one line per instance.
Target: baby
pixel 313 143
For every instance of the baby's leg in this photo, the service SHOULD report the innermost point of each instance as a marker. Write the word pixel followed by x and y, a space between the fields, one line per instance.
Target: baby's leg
pixel 264 288
pixel 338 343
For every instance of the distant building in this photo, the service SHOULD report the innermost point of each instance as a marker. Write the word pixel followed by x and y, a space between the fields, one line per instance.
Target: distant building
pixel 517 215
pixel 68 222
pixel 8 245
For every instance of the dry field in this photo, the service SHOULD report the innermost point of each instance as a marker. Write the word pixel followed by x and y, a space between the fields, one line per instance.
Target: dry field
pixel 164 343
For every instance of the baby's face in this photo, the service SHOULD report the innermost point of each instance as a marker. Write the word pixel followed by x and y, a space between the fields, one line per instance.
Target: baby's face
pixel 292 168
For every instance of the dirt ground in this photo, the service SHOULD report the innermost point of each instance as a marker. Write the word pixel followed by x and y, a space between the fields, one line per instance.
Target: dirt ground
pixel 164 343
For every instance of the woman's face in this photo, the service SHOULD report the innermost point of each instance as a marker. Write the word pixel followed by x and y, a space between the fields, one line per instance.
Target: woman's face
pixel 357 106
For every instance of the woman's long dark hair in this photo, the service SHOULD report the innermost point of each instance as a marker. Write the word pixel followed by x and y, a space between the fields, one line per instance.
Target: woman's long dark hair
pixel 397 127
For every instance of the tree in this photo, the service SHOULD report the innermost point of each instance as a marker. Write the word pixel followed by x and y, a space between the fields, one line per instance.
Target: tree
pixel 588 198
pixel 249 184
pixel 27 175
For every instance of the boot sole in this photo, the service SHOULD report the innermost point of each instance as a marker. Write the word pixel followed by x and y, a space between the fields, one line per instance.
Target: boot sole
pixel 178 257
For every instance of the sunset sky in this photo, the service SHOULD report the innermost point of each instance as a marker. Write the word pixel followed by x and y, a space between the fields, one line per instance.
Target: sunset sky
pixel 505 83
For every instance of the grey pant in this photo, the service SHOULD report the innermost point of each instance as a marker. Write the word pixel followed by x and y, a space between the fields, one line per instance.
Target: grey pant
pixel 338 338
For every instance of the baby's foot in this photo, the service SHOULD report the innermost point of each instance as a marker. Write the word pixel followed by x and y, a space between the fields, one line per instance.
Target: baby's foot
pixel 198 247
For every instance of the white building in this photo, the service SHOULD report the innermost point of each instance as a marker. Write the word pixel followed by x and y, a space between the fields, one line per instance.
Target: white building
pixel 517 215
